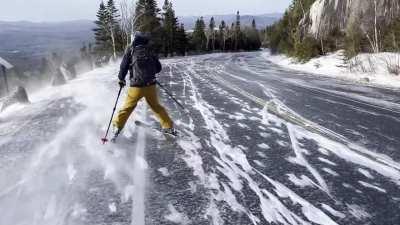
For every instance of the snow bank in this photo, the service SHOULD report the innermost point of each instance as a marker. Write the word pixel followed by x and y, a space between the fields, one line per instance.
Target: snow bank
pixel 365 68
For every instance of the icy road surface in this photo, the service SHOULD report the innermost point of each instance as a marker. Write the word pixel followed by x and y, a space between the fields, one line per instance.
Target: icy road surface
pixel 263 146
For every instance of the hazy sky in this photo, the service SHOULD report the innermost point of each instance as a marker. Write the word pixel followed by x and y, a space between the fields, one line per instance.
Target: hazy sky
pixel 61 10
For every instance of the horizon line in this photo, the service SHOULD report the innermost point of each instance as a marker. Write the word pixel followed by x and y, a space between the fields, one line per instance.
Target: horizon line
pixel 92 20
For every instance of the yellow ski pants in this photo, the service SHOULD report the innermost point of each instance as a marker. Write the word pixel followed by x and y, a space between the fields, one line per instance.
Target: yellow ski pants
pixel 133 97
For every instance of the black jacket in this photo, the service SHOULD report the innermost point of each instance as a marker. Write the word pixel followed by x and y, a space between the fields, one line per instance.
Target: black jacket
pixel 126 65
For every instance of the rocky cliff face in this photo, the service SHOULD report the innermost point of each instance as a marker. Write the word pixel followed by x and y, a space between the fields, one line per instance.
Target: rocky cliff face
pixel 326 15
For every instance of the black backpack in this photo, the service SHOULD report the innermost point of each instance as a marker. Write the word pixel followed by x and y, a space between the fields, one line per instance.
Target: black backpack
pixel 144 65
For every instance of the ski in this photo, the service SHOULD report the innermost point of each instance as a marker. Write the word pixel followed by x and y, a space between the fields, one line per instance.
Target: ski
pixel 156 129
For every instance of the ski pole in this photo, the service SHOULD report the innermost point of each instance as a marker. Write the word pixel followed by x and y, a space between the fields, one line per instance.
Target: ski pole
pixel 105 140
pixel 171 96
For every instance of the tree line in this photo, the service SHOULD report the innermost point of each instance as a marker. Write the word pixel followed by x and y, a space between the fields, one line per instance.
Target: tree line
pixel 115 27
pixel 225 37
pixel 287 36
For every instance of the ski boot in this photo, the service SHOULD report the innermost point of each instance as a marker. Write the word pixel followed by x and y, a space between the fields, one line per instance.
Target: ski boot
pixel 116 133
pixel 170 131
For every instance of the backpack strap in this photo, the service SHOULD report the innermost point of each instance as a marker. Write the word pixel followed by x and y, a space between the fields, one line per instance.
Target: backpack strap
pixel 132 50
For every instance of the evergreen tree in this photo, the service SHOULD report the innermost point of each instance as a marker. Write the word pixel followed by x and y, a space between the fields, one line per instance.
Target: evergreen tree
pixel 353 40
pixel 231 38
pixel 170 28
pixel 251 38
pixel 237 31
pixel 211 35
pixel 255 37
pixel 112 20
pixel 100 32
pixel 147 20
pixel 222 35
pixel 391 41
pixel 199 36
pixel 182 40
pixel 306 48
pixel 107 32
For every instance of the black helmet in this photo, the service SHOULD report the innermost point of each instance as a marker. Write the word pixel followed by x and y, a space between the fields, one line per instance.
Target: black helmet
pixel 140 38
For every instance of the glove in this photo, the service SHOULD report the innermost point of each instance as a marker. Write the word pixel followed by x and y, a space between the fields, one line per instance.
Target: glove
pixel 122 83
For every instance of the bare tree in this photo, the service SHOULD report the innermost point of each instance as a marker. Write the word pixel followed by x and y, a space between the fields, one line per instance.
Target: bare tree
pixel 374 40
pixel 127 20
pixel 111 22
pixel 302 8
pixel 111 29
pixel 392 63
pixel 125 28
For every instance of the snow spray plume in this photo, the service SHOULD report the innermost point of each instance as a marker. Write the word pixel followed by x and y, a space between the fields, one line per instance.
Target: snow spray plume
pixel 105 140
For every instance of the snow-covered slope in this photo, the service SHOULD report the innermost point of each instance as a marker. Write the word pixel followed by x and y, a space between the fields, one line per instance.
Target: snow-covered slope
pixel 365 68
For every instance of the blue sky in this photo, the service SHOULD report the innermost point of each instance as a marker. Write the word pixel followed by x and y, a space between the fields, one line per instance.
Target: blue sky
pixel 62 10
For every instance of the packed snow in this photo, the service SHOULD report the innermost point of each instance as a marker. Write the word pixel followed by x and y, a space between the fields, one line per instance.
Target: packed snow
pixel 369 69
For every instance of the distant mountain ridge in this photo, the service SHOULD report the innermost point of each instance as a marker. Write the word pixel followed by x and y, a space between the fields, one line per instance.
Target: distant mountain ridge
pixel 24 43
pixel 262 20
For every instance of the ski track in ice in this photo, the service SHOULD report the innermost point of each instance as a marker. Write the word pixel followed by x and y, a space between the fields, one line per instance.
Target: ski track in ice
pixel 73 179
pixel 230 168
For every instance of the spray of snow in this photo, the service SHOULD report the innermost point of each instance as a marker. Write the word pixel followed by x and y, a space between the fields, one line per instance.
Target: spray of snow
pixel 60 165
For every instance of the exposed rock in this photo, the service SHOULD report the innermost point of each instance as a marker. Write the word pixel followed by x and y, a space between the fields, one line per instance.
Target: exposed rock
pixel 18 96
pixel 327 15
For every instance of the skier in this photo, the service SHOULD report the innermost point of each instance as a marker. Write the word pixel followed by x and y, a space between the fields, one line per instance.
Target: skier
pixel 143 66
